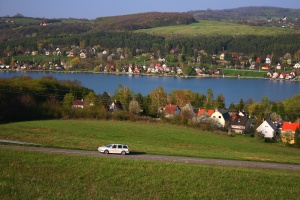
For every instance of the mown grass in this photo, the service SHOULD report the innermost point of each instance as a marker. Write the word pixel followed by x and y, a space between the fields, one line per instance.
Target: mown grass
pixel 37 175
pixel 245 73
pixel 147 138
pixel 215 28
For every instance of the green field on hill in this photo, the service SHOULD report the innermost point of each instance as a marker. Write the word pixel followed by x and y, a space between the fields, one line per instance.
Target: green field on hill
pixel 149 138
pixel 215 28
pixel 38 175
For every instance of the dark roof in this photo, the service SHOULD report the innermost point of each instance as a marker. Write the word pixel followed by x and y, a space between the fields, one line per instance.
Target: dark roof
pixel 240 121
pixel 225 114
pixel 272 125
pixel 117 106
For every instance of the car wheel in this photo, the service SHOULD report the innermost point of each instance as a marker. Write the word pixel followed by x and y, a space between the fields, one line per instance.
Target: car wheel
pixel 106 152
pixel 123 152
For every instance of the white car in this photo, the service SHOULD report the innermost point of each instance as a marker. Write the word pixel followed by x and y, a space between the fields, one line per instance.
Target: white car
pixel 114 148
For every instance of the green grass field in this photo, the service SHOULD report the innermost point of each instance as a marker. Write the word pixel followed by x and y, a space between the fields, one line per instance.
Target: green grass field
pixel 245 73
pixel 37 175
pixel 215 28
pixel 147 138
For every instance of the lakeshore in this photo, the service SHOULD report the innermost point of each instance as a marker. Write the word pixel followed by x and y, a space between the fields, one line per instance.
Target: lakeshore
pixel 232 88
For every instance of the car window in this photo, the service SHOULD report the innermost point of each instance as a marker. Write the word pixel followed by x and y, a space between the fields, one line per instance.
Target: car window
pixel 108 145
pixel 125 147
pixel 114 146
pixel 119 146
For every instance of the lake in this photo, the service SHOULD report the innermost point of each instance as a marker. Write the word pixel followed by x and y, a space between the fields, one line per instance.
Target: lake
pixel 233 89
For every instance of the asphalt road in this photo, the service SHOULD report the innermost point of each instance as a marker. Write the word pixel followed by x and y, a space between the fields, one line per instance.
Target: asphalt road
pixel 200 161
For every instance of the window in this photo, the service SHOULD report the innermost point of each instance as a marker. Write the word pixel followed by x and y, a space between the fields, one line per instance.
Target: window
pixel 119 146
pixel 125 147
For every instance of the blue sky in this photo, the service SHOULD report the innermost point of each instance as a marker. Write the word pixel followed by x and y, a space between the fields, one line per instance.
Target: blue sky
pixel 91 9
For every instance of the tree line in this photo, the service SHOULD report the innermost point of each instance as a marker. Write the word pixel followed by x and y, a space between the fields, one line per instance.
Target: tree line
pixel 25 98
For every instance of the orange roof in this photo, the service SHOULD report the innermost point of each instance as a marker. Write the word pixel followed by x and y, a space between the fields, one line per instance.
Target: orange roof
pixel 78 102
pixel 170 109
pixel 201 111
pixel 288 126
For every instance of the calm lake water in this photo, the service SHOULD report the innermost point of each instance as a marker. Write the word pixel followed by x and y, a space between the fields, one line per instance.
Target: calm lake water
pixel 233 89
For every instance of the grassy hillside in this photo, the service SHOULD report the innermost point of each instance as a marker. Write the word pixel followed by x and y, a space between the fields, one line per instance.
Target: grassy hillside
pixel 215 28
pixel 147 138
pixel 36 175
pixel 252 12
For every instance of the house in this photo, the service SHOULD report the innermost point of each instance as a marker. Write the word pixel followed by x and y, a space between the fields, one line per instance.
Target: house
pixel 70 54
pixel 171 110
pixel 278 66
pixel 240 124
pixel 276 75
pixel 290 75
pixel 266 66
pixel 268 129
pixel 222 56
pixel 115 105
pixel 288 132
pixel 82 55
pixel 222 116
pixel 34 53
pixel 297 65
pixel 204 111
pixel 78 104
pixel 282 76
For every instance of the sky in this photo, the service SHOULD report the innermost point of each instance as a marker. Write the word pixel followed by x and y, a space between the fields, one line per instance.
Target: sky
pixel 91 9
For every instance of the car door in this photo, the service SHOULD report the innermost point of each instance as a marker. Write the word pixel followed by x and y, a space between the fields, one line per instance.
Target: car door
pixel 119 148
pixel 113 149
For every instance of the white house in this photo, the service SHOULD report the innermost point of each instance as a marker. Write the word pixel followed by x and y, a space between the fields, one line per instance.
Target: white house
pixel 297 65
pixel 268 128
pixel 222 116
pixel 222 56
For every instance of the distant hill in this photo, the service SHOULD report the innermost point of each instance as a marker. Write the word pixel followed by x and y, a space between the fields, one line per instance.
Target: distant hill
pixel 247 13
pixel 143 20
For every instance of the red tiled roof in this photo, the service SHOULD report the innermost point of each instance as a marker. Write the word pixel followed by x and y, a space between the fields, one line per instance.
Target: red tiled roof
pixel 78 102
pixel 170 109
pixel 288 126
pixel 201 111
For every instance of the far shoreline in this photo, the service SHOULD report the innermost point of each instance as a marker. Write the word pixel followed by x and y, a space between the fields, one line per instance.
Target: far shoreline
pixel 296 79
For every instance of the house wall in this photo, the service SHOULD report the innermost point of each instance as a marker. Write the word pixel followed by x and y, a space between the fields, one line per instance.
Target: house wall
pixel 219 117
pixel 266 129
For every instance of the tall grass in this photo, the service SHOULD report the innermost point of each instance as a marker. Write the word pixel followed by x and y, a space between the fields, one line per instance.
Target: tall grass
pixel 36 175
pixel 150 138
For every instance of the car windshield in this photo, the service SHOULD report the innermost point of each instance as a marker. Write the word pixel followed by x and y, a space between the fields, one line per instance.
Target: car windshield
pixel 109 145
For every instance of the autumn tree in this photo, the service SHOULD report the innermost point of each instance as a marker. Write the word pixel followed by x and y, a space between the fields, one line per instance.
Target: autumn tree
pixel 209 104
pixel 180 97
pixel 67 105
pixel 220 101
pixel 124 95
pixel 158 99
pixel 134 107
pixel 292 107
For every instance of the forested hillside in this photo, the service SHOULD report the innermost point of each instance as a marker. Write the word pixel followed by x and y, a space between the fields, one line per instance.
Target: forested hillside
pixel 142 21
